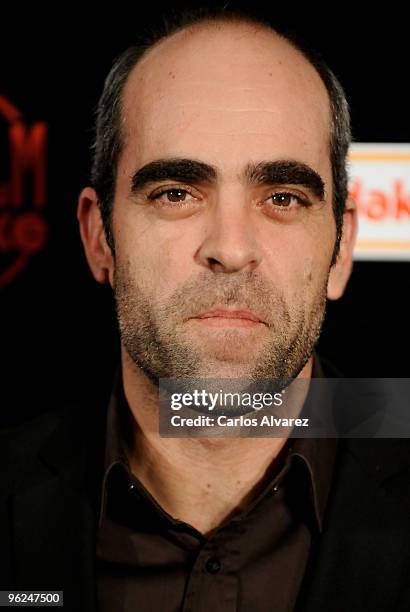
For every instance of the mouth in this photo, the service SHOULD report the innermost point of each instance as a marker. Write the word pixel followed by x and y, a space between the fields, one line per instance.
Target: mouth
pixel 225 317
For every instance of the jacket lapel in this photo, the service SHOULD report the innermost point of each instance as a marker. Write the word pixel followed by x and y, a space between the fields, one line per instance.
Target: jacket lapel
pixel 360 561
pixel 54 512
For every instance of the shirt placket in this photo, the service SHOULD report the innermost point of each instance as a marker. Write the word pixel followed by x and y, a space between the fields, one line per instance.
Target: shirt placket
pixel 214 579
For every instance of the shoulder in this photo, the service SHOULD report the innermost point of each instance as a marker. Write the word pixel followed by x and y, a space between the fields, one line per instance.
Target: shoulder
pixel 370 484
pixel 54 435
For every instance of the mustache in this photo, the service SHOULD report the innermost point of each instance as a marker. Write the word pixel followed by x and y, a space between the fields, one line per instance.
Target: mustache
pixel 246 291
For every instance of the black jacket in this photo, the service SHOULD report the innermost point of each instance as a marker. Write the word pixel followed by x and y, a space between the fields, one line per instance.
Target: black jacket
pixel 50 481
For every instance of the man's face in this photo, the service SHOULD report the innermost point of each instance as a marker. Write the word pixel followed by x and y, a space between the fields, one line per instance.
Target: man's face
pixel 244 227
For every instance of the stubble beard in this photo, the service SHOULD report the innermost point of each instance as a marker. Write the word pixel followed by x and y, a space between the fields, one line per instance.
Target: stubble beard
pixel 157 342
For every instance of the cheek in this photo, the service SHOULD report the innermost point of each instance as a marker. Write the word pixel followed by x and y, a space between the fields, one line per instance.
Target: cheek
pixel 319 242
pixel 298 259
pixel 159 254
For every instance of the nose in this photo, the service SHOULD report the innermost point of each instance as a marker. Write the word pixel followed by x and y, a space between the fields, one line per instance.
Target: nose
pixel 230 243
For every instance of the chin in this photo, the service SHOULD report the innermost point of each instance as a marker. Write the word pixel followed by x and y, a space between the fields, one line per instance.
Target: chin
pixel 225 370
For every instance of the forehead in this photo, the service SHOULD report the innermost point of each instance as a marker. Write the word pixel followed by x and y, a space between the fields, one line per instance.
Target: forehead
pixel 226 94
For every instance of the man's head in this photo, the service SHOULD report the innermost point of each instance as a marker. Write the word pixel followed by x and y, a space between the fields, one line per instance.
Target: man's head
pixel 219 180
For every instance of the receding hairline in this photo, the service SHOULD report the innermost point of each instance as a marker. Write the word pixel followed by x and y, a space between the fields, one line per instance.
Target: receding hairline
pixel 219 22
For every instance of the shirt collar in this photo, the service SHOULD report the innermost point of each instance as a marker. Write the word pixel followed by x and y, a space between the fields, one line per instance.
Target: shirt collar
pixel 118 416
pixel 316 454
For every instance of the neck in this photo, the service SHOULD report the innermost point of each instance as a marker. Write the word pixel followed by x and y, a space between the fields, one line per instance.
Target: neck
pixel 201 481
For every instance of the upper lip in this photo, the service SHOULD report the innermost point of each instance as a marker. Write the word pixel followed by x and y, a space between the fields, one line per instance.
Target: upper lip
pixel 230 313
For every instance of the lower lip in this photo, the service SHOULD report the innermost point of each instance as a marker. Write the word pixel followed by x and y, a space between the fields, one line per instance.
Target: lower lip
pixel 227 322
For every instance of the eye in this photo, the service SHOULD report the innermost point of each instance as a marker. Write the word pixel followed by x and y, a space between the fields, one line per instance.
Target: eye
pixel 285 199
pixel 175 196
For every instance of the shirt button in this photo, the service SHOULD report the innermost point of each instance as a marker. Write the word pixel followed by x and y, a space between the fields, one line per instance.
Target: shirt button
pixel 213 565
pixel 133 490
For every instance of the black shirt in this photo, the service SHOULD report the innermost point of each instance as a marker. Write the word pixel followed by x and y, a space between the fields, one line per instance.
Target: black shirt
pixel 148 560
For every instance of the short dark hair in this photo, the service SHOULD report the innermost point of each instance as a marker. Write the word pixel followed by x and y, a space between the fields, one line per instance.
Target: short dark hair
pixel 108 137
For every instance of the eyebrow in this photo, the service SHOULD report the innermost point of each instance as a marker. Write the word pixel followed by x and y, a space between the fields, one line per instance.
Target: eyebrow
pixel 285 172
pixel 278 172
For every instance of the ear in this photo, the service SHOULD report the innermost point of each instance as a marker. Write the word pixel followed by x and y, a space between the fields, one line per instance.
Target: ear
pixel 341 270
pixel 97 251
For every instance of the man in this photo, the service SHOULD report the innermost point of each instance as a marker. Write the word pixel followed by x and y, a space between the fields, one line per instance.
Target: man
pixel 219 215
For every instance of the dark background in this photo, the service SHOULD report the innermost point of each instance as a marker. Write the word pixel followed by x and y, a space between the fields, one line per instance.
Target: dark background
pixel 58 332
